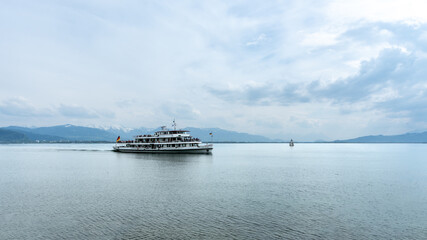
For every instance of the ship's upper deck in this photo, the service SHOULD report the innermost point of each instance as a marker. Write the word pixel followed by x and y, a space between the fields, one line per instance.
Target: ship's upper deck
pixel 162 132
pixel 165 134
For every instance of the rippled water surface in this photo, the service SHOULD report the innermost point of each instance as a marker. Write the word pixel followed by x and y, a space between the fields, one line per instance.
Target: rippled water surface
pixel 241 191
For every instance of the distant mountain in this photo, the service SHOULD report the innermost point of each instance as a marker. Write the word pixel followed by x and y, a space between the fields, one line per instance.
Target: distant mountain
pixel 34 137
pixel 130 133
pixel 9 136
pixel 76 133
pixel 221 135
pixel 403 138
pixel 71 133
pixel 64 133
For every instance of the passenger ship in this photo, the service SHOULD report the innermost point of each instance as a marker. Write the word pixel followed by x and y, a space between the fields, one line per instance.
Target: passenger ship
pixel 164 141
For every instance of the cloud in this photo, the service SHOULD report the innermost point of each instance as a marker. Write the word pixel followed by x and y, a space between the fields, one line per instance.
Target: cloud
pixel 397 34
pixel 75 111
pixel 261 94
pixel 389 69
pixel 216 63
pixel 320 39
pixel 377 11
pixel 22 107
pixel 182 111
pixel 257 41
pixel 125 103
pixel 393 71
pixel 394 82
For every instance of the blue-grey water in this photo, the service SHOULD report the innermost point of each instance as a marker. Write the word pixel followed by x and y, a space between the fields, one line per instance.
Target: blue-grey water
pixel 241 191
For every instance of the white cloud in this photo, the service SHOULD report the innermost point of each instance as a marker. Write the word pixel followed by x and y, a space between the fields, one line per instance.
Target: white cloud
pixel 412 11
pixel 75 111
pixel 20 106
pixel 319 39
pixel 216 64
pixel 257 41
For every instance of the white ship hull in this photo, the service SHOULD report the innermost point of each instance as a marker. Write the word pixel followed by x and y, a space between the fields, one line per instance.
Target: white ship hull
pixel 201 149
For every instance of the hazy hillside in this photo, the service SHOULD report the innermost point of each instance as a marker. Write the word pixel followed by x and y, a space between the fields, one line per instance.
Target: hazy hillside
pixel 403 138
pixel 75 133
pixel 71 133
pixel 64 133
pixel 220 135
pixel 129 133
pixel 34 137
pixel 9 136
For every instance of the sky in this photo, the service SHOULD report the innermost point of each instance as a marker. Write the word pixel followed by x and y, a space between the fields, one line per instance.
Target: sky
pixel 306 70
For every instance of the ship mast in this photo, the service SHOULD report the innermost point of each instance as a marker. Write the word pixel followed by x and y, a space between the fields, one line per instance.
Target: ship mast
pixel 174 124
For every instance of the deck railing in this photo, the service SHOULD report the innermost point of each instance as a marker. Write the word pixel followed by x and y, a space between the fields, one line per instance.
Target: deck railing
pixel 162 141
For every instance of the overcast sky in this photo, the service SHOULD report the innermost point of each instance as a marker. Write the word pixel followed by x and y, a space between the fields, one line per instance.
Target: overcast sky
pixel 285 69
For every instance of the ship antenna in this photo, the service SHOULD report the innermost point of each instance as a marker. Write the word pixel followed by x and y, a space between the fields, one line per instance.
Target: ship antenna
pixel 174 124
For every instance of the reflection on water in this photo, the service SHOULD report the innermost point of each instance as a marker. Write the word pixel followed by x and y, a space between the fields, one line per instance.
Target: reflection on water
pixel 182 157
pixel 241 191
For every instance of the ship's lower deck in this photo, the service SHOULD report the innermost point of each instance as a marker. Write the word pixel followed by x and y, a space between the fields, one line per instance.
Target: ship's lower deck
pixel 204 149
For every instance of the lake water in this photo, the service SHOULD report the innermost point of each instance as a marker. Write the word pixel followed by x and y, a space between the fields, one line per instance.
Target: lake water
pixel 241 191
